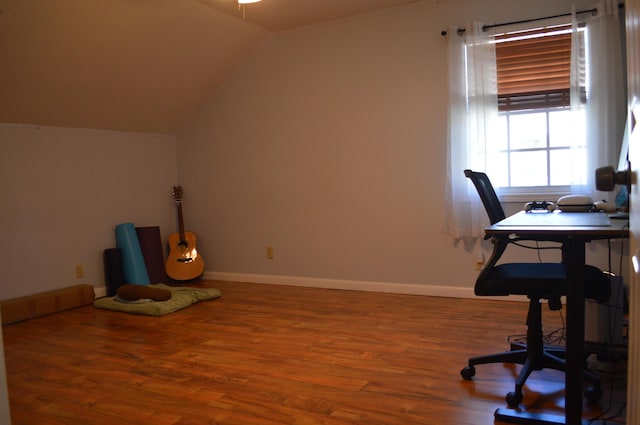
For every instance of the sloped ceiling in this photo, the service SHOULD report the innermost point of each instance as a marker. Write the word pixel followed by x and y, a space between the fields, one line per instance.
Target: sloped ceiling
pixel 136 65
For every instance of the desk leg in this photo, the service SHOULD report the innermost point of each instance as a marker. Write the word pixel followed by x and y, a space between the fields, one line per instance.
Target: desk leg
pixel 573 255
pixel 574 258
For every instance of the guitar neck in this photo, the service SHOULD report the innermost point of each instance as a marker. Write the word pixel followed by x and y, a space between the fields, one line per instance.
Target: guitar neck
pixel 180 223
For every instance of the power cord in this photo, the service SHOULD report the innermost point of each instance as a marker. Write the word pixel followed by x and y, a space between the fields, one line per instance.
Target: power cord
pixel 556 337
pixel 538 248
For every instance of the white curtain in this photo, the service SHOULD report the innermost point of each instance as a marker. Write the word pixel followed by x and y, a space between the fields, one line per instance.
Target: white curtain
pixel 473 110
pixel 605 110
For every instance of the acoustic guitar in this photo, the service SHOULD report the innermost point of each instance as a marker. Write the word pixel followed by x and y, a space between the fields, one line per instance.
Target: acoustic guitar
pixel 183 261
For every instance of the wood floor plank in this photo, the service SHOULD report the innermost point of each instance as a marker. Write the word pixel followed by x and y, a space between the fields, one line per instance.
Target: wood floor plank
pixel 266 355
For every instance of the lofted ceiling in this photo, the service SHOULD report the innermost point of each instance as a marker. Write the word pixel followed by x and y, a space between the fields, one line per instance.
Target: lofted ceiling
pixel 136 65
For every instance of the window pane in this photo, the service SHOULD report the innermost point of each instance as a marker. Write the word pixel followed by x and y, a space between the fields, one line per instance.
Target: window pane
pixel 498 169
pixel 528 131
pixel 529 168
pixel 502 134
pixel 560 167
pixel 566 128
pixel 578 162
pixel 528 161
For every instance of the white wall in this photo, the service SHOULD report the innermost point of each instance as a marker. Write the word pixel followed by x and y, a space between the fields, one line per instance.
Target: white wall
pixel 329 145
pixel 64 191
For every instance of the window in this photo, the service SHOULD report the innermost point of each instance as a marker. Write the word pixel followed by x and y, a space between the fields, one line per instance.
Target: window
pixel 530 155
pixel 536 128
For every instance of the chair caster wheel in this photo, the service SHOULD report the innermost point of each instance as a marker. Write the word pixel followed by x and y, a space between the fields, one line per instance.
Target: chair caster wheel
pixel 513 399
pixel 593 394
pixel 468 372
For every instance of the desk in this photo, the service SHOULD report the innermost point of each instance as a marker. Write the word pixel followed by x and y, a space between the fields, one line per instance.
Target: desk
pixel 573 230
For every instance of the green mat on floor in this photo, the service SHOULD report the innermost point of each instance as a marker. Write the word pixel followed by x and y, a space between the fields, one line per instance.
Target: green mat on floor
pixel 181 297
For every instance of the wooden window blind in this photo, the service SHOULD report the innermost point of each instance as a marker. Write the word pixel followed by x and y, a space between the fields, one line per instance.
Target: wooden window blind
pixel 533 69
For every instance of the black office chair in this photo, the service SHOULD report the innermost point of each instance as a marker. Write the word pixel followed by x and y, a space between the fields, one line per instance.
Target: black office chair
pixel 538 281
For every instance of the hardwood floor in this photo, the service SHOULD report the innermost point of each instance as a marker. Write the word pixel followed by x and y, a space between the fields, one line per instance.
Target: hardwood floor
pixel 264 354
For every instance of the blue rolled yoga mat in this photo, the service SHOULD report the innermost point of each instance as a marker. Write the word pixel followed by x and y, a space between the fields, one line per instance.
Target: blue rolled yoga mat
pixel 133 265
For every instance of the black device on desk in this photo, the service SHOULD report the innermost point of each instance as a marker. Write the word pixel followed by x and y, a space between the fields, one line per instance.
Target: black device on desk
pixel 569 203
pixel 539 206
pixel 582 203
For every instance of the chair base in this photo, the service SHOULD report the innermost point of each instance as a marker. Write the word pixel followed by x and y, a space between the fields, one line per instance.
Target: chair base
pixel 535 356
pixel 518 417
pixel 546 360
pixel 528 418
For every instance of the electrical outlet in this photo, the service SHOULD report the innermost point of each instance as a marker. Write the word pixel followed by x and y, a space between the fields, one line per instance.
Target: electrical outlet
pixel 79 271
pixel 270 252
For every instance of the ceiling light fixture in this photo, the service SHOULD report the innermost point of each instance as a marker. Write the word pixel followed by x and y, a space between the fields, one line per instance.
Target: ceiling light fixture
pixel 242 4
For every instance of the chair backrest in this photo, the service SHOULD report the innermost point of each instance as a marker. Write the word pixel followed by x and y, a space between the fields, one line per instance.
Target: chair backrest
pixel 487 195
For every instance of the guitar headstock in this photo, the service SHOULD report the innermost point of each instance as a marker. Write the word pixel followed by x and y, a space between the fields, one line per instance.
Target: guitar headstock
pixel 177 194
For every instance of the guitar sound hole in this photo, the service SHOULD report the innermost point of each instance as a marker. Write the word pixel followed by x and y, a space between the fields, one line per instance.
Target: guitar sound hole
pixel 182 244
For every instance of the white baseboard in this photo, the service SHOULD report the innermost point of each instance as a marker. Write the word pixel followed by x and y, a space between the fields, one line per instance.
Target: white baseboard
pixel 348 285
pixel 100 292
pixel 351 285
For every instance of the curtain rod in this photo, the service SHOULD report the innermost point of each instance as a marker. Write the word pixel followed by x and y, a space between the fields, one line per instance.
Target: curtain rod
pixel 488 27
